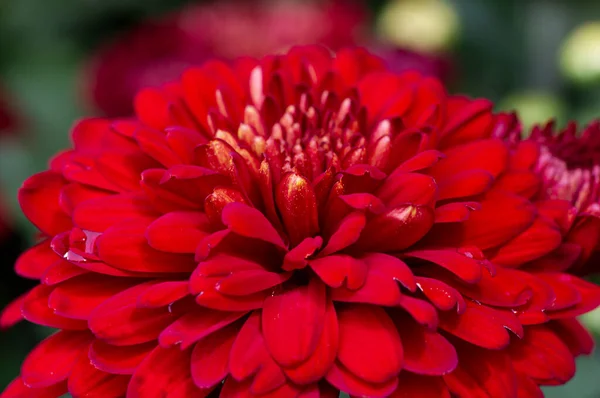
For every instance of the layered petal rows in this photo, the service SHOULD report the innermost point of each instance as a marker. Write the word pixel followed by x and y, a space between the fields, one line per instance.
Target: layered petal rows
pixel 297 226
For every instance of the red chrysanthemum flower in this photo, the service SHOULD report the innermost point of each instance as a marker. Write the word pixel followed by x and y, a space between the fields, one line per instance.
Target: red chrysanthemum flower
pixel 567 164
pixel 294 227
pixel 157 52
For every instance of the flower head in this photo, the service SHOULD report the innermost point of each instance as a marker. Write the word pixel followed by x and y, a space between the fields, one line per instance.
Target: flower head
pixel 295 226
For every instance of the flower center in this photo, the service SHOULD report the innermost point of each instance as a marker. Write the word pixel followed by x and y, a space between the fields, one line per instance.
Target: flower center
pixel 309 139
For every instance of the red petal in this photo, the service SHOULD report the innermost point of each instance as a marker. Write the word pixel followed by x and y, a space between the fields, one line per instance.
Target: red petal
pixel 523 183
pixel 396 229
pixel 421 311
pixel 77 297
pixel 455 212
pixel 11 314
pixel 560 260
pixel 537 240
pixel 506 288
pixel 441 295
pixel 165 372
pixel 482 326
pixel 245 283
pixel 460 264
pixel 101 213
pixel 292 322
pixel 297 204
pixel 52 360
pixel 118 321
pixel 348 231
pixel 425 352
pixel 297 258
pixel 194 326
pixel 421 161
pixel 490 155
pixel 72 195
pixel 35 309
pixel 565 295
pixel 502 217
pixel 482 374
pixel 87 381
pixel 249 356
pixel 124 169
pixel 465 183
pixel 574 335
pixel 163 294
pixel 152 108
pixel 340 269
pixel 36 260
pixel 413 188
pixel 210 357
pixel 39 200
pixel 380 286
pixel 470 120
pixel 249 222
pixel 589 293
pixel 178 232
pixel 154 144
pixel 542 356
pixel 122 360
pixel 124 246
pixel 17 389
pixel 317 365
pixel 527 388
pixel 61 271
pixel 369 345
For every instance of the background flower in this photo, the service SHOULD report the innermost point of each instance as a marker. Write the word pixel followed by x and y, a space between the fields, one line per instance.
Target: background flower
pixel 157 52
pixel 301 225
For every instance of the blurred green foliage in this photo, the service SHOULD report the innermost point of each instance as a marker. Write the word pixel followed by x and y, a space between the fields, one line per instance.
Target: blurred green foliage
pixel 507 50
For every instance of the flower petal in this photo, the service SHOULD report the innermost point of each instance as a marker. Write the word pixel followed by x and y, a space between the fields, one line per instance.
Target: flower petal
pixel 178 232
pixel 39 200
pixel 120 360
pixel 52 360
pixel 317 365
pixel 86 380
pixel 165 372
pixel 396 229
pixel 297 204
pixel 124 246
pixel 425 352
pixel 481 326
pixel 249 357
pixel 249 222
pixel 210 357
pixel 292 322
pixel 196 325
pixel 369 345
pixel 340 269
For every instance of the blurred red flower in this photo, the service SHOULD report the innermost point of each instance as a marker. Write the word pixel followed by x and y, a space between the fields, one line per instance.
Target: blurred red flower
pixel 8 116
pixel 296 226
pixel 567 164
pixel 157 52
